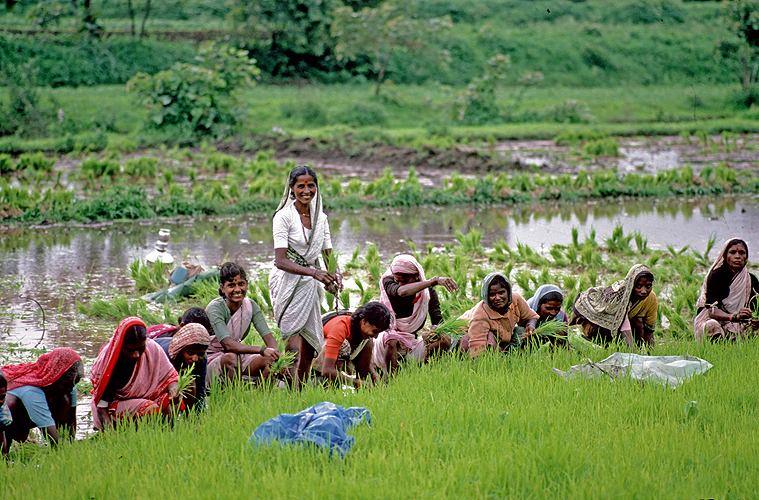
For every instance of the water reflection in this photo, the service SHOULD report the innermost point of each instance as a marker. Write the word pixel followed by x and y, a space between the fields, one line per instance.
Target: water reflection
pixel 62 265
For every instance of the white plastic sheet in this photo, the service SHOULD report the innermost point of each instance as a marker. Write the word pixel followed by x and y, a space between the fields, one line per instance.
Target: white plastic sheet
pixel 669 371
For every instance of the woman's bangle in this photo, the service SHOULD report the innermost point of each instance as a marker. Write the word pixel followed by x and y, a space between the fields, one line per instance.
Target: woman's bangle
pixel 263 350
pixel 732 318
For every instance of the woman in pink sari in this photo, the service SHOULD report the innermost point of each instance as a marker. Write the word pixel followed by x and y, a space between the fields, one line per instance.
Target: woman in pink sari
pixel 410 298
pixel 131 377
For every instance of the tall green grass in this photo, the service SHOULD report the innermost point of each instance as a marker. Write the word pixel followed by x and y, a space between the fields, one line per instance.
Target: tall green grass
pixel 491 428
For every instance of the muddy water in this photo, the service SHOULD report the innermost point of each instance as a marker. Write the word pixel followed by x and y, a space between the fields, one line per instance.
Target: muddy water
pixel 59 266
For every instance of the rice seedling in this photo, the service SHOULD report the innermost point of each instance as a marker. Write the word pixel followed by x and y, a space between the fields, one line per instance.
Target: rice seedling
pixel 618 242
pixel 262 284
pixel 373 263
pixel 282 363
pixel 470 243
pixel 641 243
pixel 703 258
pixel 345 299
pixel 678 327
pixel 557 254
pixel 148 277
pixel 366 294
pixel 523 279
pixel 354 263
pixel 551 329
pixel 185 381
pixel 676 253
pixel 204 291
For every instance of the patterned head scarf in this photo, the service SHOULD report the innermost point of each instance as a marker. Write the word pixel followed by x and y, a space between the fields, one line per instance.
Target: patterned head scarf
pixel 485 291
pixel 607 306
pixel 43 372
pixel 190 334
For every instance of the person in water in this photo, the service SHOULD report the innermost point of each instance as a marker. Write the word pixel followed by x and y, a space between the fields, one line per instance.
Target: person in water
pixel 410 297
pixel 625 310
pixel 231 316
pixel 499 320
pixel 349 341
pixel 728 294
pixel 132 377
pixel 42 394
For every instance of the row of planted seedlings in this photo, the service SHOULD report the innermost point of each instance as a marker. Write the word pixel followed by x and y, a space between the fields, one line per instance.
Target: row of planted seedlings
pixel 574 267
pixel 182 182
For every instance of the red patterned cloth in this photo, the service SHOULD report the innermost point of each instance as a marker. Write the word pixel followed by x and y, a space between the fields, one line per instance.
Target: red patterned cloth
pixel 43 372
pixel 190 334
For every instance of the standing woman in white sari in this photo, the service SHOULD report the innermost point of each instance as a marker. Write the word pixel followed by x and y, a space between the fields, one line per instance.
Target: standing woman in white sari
pixel 301 235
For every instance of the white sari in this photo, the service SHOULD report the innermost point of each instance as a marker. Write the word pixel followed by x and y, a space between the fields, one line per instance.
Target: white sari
pixel 296 298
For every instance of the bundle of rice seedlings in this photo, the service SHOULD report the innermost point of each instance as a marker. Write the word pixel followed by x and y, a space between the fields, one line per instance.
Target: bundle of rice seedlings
pixel 185 381
pixel 452 327
pixel 284 361
pixel 551 329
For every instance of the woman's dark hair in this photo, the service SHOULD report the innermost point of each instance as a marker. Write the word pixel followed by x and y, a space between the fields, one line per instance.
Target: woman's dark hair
pixel 3 380
pixel 732 243
pixel 499 280
pixel 301 170
pixel 227 272
pixel 196 315
pixel 645 274
pixel 375 313
pixel 551 297
pixel 135 334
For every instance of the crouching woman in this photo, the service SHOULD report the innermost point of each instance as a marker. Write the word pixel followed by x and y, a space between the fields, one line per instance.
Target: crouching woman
pixel 43 394
pixel 131 377
pixel 349 339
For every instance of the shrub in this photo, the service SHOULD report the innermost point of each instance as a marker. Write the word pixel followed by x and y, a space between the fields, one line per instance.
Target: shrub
pixel 197 99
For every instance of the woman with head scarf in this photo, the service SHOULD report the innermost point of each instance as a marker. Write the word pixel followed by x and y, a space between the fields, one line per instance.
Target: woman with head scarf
pixel 187 350
pixel 499 319
pixel 301 236
pixel 410 298
pixel 131 377
pixel 626 309
pixel 547 303
pixel 43 394
pixel 727 294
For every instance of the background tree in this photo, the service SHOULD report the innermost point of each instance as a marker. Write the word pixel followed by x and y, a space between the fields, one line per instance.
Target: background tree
pixel 742 20
pixel 379 31
pixel 285 34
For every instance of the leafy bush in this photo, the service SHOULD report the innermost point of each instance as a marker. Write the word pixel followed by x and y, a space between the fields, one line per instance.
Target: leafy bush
pixel 197 99
pixel 745 97
pixel 476 104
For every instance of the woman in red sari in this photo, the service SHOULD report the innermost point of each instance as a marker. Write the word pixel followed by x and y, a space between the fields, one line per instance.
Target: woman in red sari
pixel 131 377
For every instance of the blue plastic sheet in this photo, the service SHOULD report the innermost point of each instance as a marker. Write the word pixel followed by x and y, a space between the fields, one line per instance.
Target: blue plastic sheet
pixel 323 424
